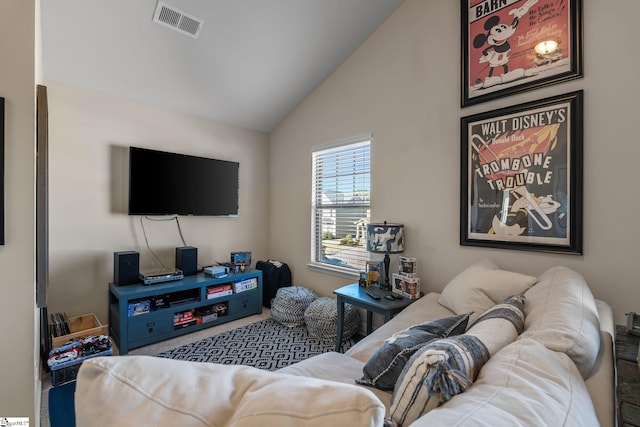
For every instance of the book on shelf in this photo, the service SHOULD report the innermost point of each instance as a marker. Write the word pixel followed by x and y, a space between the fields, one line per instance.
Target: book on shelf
pixel 219 294
pixel 219 291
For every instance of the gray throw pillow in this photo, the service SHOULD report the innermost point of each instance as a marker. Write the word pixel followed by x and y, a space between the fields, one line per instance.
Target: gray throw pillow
pixel 386 364
pixel 447 367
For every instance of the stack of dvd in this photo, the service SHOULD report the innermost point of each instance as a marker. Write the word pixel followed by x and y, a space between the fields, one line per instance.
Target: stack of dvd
pixel 59 324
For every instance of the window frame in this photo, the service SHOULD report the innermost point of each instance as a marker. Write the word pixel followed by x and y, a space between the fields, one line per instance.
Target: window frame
pixel 315 263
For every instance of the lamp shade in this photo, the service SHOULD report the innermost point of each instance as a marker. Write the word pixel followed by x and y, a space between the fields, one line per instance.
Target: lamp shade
pixel 385 238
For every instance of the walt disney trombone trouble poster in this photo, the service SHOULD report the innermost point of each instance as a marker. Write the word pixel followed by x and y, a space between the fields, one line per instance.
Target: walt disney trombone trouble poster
pixel 521 170
pixel 516 45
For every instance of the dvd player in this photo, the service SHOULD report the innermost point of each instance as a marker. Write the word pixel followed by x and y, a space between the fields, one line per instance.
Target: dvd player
pixel 159 276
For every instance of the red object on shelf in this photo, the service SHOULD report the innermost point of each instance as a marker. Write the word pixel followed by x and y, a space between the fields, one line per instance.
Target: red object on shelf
pixel 183 317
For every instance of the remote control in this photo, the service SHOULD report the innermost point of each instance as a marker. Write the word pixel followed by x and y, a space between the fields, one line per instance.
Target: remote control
pixel 372 295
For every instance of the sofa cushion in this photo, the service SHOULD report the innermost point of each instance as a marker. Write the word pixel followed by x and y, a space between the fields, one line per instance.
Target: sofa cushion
pixel 525 384
pixel 334 366
pixel 152 391
pixel 480 286
pixel 447 367
pixel 384 367
pixel 421 310
pixel 562 314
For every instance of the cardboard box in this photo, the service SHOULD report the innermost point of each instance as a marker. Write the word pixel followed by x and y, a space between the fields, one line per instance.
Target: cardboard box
pixel 208 317
pixel 220 309
pixel 408 266
pixel 374 272
pixel 81 327
pixel 245 285
pixel 183 317
pixel 409 287
pixel 241 258
pixel 138 307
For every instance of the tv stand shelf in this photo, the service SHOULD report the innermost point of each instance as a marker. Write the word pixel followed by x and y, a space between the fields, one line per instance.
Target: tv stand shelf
pixel 144 314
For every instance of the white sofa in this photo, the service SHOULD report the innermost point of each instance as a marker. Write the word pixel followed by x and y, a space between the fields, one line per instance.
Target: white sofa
pixel 559 371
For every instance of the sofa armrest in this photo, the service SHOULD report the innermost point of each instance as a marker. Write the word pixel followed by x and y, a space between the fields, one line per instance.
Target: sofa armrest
pixel 524 384
pixel 142 390
pixel 605 314
pixel 601 382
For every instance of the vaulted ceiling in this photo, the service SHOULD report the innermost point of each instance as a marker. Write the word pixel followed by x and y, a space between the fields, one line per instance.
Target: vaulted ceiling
pixel 253 62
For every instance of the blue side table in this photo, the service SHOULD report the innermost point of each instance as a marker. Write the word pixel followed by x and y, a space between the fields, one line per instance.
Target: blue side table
pixel 356 295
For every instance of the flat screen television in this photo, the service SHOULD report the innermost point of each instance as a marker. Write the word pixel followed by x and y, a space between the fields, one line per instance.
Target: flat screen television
pixel 162 183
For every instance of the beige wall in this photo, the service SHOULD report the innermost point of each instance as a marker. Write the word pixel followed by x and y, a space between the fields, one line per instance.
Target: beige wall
pixel 402 85
pixel 89 137
pixel 19 391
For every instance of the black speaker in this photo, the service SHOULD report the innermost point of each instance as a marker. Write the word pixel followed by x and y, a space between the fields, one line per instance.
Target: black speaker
pixel 126 267
pixel 187 260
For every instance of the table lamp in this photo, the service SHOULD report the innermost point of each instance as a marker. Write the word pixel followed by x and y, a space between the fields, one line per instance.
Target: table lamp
pixel 385 239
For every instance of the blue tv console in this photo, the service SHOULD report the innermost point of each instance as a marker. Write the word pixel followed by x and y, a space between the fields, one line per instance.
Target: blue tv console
pixel 144 314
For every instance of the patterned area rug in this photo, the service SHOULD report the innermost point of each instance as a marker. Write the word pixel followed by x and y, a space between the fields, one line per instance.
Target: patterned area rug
pixel 266 345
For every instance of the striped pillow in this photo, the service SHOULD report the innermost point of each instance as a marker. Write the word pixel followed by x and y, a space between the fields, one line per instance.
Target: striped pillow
pixel 446 367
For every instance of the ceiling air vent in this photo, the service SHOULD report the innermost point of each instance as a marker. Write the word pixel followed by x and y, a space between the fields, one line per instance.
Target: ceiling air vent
pixel 178 20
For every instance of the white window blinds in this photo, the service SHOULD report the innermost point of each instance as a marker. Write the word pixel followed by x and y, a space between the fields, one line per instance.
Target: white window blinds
pixel 341 200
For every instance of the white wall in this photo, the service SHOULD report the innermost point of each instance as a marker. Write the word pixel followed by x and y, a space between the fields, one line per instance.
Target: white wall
pixel 19 369
pixel 89 137
pixel 402 85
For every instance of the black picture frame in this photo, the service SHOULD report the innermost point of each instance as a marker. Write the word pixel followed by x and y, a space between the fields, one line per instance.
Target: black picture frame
pixel 499 56
pixel 521 176
pixel 1 171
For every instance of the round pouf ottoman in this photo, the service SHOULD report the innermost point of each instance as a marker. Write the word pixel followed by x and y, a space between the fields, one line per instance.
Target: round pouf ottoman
pixel 321 319
pixel 289 305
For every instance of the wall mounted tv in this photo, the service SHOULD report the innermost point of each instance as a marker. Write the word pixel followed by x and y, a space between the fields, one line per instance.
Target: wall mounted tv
pixel 162 183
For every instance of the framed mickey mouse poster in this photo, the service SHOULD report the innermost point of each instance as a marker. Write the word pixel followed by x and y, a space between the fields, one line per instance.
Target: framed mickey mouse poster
pixel 512 46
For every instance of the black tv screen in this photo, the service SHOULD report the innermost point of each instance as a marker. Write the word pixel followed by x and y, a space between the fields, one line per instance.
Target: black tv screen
pixel 162 183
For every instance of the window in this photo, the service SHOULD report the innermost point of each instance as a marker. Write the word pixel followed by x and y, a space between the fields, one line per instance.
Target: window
pixel 340 207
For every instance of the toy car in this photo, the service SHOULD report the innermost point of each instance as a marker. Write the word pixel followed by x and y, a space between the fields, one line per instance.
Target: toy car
pixel 63 357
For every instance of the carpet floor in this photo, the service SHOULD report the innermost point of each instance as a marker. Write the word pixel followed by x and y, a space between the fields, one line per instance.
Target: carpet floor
pixel 266 345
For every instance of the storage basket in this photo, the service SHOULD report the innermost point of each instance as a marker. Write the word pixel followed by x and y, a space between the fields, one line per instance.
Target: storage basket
pixel 81 327
pixel 68 371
